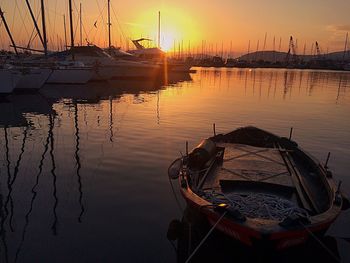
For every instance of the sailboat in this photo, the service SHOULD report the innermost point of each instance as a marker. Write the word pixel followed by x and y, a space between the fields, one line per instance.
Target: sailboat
pixel 105 67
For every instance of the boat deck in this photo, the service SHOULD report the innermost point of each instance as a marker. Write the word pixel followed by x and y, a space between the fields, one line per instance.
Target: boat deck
pixel 248 163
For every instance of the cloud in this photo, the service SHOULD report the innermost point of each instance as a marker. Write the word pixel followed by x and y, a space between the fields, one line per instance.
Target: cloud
pixel 338 27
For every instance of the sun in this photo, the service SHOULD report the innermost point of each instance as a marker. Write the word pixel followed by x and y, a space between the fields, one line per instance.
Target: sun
pixel 176 27
pixel 168 39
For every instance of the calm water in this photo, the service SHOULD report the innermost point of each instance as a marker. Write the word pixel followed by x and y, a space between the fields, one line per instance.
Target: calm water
pixel 83 169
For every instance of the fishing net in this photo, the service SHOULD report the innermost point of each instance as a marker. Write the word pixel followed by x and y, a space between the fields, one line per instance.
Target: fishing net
pixel 257 205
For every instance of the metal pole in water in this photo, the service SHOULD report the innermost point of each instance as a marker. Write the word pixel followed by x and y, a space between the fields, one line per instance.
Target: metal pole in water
pixel 326 164
pixel 214 129
pixel 290 133
pixel 186 148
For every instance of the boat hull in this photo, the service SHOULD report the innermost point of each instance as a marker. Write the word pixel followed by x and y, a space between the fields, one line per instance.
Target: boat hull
pixel 278 240
pixel 9 80
pixel 276 233
pixel 32 79
pixel 70 76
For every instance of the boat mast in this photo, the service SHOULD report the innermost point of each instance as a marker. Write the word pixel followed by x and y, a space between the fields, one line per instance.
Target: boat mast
pixel 65 32
pixel 346 45
pixel 44 26
pixel 158 29
pixel 71 24
pixel 8 31
pixel 109 24
pixel 35 23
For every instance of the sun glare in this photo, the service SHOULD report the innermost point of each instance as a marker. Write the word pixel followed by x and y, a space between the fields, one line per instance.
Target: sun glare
pixel 176 27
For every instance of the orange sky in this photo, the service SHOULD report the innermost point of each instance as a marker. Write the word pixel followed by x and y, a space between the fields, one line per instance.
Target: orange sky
pixel 189 22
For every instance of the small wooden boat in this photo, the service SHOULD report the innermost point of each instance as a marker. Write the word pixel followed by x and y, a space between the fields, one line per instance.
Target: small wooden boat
pixel 259 188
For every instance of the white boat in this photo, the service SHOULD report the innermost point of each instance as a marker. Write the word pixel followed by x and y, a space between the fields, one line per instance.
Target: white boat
pixel 106 67
pixel 157 56
pixel 9 79
pixel 31 78
pixel 70 73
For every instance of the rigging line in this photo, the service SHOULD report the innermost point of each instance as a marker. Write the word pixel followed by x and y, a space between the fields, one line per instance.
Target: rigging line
pixel 23 19
pixel 119 25
pixel 34 194
pixel 77 20
pixel 100 17
pixel 103 19
pixel 30 40
pixel 206 236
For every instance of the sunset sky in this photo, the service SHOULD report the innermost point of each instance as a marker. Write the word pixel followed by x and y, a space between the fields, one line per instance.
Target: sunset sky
pixel 189 22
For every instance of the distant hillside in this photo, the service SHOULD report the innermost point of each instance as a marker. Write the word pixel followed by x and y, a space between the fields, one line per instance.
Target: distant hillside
pixel 273 56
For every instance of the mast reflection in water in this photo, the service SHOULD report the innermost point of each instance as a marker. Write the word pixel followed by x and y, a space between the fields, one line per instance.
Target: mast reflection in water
pixel 83 168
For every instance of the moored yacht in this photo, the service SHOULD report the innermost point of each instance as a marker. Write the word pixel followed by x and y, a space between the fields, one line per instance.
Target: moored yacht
pixel 106 67
pixel 156 55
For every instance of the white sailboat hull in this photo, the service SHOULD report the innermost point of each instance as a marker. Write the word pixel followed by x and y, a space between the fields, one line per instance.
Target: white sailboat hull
pixel 70 76
pixel 9 80
pixel 32 79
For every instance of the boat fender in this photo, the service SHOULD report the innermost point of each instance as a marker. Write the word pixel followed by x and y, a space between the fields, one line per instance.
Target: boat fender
pixel 200 155
pixel 293 220
pixel 346 203
pixel 175 168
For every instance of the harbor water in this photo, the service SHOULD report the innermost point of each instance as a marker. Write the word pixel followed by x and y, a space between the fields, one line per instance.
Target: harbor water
pixel 83 168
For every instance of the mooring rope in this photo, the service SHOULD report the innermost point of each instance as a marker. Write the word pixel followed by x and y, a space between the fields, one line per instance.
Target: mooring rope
pixel 321 243
pixel 205 238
